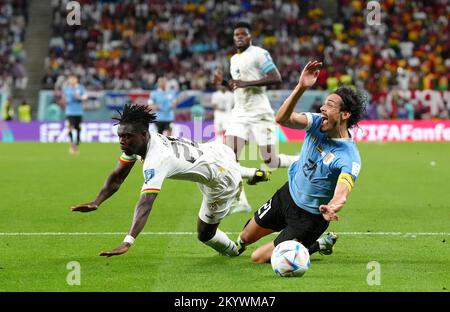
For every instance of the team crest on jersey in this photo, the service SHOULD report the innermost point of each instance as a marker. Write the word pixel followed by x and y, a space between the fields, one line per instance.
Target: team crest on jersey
pixel 149 174
pixel 328 158
pixel 355 168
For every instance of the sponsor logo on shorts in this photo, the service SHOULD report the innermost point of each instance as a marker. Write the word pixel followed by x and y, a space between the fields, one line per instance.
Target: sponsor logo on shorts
pixel 264 209
pixel 213 206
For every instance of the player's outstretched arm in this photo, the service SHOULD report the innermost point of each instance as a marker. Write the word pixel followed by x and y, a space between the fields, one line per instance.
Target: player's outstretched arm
pixel 286 115
pixel 340 196
pixel 141 213
pixel 112 184
pixel 272 77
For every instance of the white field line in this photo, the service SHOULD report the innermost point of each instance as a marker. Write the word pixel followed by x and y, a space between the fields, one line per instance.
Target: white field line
pixel 195 233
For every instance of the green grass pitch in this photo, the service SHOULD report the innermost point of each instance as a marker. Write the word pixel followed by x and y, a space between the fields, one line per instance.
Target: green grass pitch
pixel 398 215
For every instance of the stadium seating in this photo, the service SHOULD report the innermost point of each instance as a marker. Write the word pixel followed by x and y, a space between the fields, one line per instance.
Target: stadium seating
pixel 126 44
pixel 13 20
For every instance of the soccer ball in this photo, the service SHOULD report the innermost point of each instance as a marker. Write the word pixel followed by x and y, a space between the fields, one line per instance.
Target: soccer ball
pixel 290 258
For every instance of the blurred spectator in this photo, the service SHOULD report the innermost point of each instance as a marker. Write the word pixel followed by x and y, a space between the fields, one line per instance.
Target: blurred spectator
pixel 222 101
pixel 382 111
pixel 372 111
pixel 24 112
pixel 54 112
pixel 197 112
pixel 7 110
pixel 316 105
pixel 162 102
pixel 127 44
pixel 405 110
pixel 13 19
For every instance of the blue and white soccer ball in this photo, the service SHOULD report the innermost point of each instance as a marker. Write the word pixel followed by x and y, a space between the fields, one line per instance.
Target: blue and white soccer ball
pixel 290 258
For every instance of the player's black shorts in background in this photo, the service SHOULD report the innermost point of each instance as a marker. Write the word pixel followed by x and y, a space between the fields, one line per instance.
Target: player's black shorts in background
pixel 163 125
pixel 280 213
pixel 74 121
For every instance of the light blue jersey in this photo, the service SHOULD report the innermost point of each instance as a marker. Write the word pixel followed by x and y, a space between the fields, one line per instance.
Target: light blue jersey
pixel 163 100
pixel 74 106
pixel 313 178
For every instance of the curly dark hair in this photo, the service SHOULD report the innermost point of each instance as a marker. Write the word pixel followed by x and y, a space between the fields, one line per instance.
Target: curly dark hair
pixel 137 115
pixel 353 102
pixel 243 25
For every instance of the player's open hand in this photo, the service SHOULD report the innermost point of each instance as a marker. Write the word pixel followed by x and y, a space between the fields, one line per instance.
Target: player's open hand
pixel 309 74
pixel 218 77
pixel 85 207
pixel 328 213
pixel 116 251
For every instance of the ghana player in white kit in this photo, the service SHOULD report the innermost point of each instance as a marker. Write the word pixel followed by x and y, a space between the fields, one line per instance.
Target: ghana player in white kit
pixel 252 69
pixel 212 165
pixel 222 100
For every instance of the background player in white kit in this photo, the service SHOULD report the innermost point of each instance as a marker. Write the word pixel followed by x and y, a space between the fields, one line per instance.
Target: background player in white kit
pixel 252 69
pixel 211 165
pixel 222 100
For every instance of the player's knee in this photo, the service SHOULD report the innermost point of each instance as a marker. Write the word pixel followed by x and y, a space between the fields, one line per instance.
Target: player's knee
pixel 204 235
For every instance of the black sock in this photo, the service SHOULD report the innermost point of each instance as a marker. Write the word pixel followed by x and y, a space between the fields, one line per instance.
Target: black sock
pixel 78 137
pixel 315 247
pixel 70 136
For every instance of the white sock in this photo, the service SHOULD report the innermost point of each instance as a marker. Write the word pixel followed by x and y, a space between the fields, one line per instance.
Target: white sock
pixel 240 241
pixel 243 198
pixel 222 244
pixel 241 205
pixel 287 160
pixel 246 172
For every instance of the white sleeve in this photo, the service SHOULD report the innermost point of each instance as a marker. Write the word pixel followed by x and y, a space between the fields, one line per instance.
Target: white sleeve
pixel 264 61
pixel 155 171
pixel 310 121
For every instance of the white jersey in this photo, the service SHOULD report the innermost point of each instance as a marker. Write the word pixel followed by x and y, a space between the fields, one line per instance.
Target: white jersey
pixel 222 101
pixel 252 64
pixel 210 164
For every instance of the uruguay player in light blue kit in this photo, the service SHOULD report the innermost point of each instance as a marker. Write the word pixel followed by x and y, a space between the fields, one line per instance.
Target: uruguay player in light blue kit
pixel 74 95
pixel 320 182
pixel 162 102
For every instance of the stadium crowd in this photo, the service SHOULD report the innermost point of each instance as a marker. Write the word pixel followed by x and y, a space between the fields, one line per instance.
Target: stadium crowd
pixel 129 44
pixel 125 44
pixel 13 20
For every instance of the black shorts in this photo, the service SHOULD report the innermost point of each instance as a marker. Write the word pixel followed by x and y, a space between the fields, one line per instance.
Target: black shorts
pixel 163 125
pixel 74 121
pixel 280 213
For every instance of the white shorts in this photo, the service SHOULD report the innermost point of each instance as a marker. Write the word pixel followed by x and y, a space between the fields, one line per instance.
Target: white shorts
pixel 262 130
pixel 219 198
pixel 221 121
